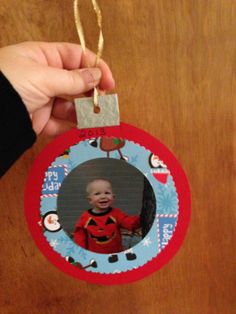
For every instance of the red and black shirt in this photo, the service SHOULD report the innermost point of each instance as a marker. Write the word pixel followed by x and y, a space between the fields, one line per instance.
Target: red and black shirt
pixel 100 232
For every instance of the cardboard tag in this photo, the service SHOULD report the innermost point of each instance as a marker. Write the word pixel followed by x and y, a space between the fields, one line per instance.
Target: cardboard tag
pixel 108 116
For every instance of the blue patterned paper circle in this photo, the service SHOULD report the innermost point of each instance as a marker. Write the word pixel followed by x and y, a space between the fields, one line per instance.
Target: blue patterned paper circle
pixel 155 240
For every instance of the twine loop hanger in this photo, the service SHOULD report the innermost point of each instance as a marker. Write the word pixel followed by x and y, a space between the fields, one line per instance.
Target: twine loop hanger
pixel 80 31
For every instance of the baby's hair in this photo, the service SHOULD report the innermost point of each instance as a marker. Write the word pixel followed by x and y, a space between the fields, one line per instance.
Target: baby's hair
pixel 96 180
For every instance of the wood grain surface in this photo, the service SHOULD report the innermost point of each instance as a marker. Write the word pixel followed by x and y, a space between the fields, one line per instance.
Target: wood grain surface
pixel 174 64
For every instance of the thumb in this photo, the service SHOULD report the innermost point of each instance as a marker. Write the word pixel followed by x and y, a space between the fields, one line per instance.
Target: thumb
pixel 74 82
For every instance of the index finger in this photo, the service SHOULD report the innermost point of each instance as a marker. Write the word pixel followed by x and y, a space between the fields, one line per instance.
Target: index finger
pixel 70 56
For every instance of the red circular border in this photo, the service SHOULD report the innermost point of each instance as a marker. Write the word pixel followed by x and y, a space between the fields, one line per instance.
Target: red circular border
pixel 33 193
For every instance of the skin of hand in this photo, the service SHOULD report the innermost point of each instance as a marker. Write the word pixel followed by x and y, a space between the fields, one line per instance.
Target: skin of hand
pixel 48 76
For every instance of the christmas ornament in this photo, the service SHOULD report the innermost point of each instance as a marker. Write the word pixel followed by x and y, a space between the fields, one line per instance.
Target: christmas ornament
pixel 147 180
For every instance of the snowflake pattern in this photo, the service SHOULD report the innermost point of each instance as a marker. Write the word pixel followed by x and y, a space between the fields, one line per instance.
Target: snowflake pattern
pixel 82 253
pixel 147 242
pixel 54 243
pixel 134 160
pixel 167 200
pixel 64 239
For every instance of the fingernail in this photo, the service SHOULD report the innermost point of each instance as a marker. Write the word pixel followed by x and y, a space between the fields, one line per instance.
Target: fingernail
pixel 91 75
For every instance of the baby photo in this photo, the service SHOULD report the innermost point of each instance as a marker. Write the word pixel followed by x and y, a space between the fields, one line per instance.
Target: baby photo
pixel 106 205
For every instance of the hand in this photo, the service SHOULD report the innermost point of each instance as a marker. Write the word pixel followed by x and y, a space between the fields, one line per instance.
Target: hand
pixel 46 75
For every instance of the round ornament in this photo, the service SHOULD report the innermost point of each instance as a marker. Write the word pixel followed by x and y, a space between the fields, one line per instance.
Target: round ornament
pixel 148 186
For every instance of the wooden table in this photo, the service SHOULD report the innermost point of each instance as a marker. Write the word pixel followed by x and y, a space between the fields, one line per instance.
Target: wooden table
pixel 174 65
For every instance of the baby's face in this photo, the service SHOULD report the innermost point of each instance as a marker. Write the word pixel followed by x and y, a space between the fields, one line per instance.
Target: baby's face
pixel 100 195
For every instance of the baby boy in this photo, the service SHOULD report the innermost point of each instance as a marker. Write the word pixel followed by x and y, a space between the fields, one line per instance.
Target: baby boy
pixel 98 229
